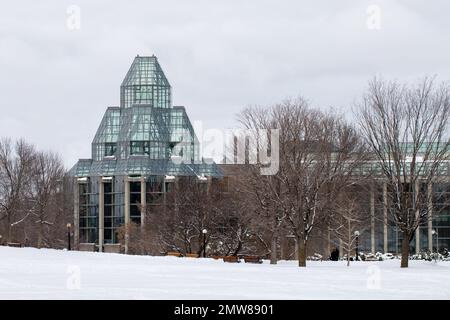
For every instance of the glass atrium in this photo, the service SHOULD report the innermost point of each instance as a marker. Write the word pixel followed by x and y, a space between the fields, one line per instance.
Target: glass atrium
pixel 143 142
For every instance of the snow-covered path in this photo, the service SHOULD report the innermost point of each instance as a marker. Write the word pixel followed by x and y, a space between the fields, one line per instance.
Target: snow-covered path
pixel 27 273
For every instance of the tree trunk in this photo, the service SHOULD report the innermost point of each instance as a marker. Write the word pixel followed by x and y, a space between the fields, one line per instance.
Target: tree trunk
pixel 273 251
pixel 239 247
pixel 405 250
pixel 301 253
pixel 9 239
pixel 40 235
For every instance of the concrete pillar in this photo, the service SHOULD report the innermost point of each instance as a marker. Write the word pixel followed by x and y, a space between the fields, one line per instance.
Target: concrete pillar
pixel 372 219
pixel 282 251
pixel 143 201
pixel 385 219
pixel 416 195
pixel 127 212
pixel 101 214
pixel 417 233
pixel 164 194
pixel 328 242
pixel 209 181
pixel 430 216
pixel 76 214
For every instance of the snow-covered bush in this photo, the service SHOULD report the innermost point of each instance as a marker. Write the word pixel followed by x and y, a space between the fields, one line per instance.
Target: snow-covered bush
pixel 443 255
pixel 315 257
pixel 373 257
pixel 388 256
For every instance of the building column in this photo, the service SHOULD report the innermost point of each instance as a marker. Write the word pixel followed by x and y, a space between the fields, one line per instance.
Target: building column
pixel 418 233
pixel 143 201
pixel 209 181
pixel 417 191
pixel 76 214
pixel 127 212
pixel 101 214
pixel 385 219
pixel 296 249
pixel 430 216
pixel 328 241
pixel 372 219
pixel 282 249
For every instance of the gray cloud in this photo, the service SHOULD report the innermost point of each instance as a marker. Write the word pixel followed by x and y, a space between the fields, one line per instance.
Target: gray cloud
pixel 218 55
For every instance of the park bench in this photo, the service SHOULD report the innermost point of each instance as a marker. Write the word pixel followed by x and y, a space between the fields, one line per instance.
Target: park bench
pixel 112 248
pixel 191 255
pixel 14 244
pixel 87 247
pixel 174 254
pixel 252 259
pixel 231 259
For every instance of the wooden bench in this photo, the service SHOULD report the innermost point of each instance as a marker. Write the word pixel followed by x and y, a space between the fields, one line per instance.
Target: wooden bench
pixel 87 247
pixel 191 255
pixel 252 259
pixel 174 254
pixel 231 259
pixel 14 244
pixel 112 248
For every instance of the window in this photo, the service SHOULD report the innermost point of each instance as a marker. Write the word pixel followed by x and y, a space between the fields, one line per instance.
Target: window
pixel 109 208
pixel 110 149
pixel 140 147
pixel 135 202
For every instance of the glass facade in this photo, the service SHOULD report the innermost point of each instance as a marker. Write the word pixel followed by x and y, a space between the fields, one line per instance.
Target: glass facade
pixel 142 136
pixel 145 84
pixel 440 213
pixel 88 211
pixel 138 139
pixel 441 218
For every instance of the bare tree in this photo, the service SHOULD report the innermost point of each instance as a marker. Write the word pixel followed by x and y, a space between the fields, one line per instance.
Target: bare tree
pixel 349 220
pixel 232 231
pixel 47 182
pixel 319 153
pixel 264 192
pixel 407 130
pixel 15 171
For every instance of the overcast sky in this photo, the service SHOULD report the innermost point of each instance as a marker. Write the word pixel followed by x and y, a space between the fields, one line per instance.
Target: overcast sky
pixel 57 79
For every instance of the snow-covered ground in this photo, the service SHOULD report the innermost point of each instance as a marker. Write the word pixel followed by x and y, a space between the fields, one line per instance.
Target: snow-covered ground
pixel 27 273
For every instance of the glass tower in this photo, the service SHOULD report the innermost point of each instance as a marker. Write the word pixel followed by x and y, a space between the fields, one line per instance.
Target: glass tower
pixel 143 143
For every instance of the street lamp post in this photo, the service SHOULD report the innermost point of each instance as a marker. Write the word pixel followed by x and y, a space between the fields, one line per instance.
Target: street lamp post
pixel 204 242
pixel 68 235
pixel 357 246
pixel 435 233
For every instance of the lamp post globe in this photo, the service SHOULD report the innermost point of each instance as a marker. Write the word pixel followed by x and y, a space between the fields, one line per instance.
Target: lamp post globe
pixel 69 225
pixel 204 231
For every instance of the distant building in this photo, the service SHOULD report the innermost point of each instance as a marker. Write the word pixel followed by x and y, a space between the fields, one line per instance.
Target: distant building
pixel 141 147
pixel 434 234
pixel 381 234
